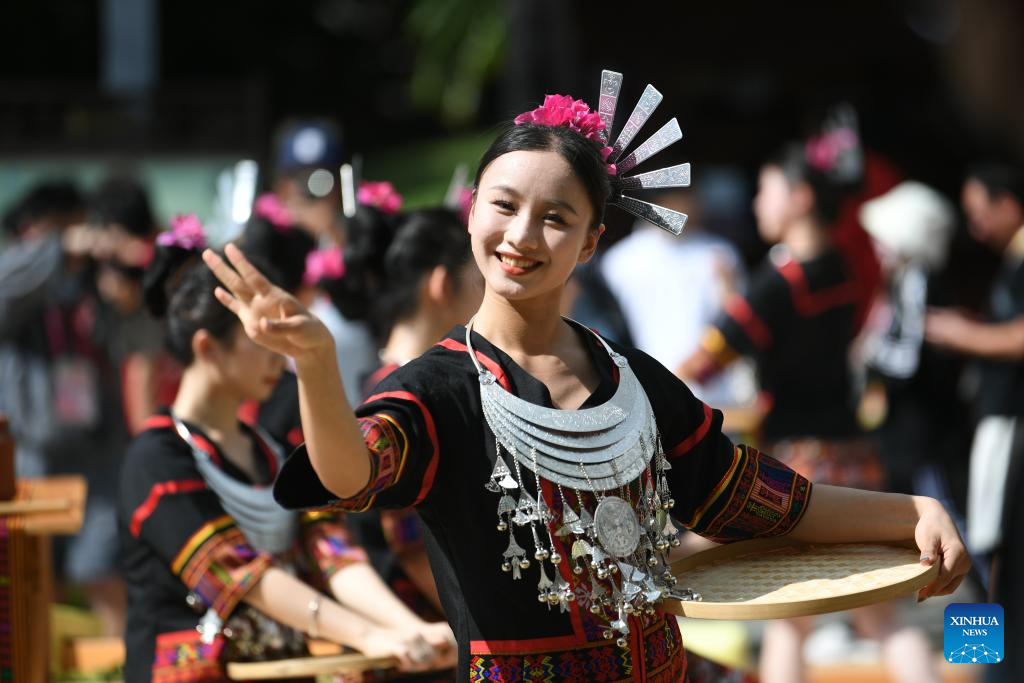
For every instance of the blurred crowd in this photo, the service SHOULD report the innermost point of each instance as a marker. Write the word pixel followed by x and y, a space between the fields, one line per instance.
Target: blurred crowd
pixel 878 344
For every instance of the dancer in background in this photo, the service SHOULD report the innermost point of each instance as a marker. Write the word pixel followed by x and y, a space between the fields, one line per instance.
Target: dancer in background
pixel 217 571
pixel 797 320
pixel 422 280
pixel 426 439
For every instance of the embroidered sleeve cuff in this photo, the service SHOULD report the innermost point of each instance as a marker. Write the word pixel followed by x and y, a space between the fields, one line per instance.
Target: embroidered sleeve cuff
pixel 757 497
pixel 714 344
pixel 402 530
pixel 388 448
pixel 218 563
pixel 329 544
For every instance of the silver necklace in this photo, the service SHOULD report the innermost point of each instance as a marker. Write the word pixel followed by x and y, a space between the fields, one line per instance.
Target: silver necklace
pixel 610 454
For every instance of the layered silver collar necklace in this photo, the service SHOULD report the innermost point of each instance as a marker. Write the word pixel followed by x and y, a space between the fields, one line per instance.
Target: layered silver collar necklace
pixel 607 469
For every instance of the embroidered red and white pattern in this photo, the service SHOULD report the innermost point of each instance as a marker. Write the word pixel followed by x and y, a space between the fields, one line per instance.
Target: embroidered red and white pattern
pixel 661 659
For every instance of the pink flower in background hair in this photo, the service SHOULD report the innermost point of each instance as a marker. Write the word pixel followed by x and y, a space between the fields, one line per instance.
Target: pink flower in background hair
pixel 823 151
pixel 186 233
pixel 381 195
pixel 563 110
pixel 324 264
pixel 269 206
pixel 465 203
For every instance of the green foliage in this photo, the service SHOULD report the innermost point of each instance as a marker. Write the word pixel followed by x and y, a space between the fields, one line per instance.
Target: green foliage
pixel 459 46
pixel 421 171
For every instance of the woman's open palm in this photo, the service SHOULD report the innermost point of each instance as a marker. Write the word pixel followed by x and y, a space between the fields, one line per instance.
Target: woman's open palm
pixel 271 317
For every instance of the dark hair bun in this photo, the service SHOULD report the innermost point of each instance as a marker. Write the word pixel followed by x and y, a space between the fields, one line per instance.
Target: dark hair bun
pixel 162 276
pixel 284 247
pixel 369 233
pixel 387 257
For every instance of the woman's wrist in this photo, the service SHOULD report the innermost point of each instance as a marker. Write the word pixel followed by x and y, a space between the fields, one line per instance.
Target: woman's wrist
pixel 313 360
pixel 348 628
pixel 924 505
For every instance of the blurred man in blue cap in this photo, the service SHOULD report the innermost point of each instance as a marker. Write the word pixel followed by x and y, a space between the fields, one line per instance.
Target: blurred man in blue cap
pixel 307 156
pixel 306 177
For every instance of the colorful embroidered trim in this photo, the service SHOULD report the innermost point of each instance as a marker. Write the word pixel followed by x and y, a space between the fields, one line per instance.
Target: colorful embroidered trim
pixel 663 660
pixel 402 530
pixel 218 563
pixel 765 498
pixel 388 446
pixel 329 545
pixel 182 657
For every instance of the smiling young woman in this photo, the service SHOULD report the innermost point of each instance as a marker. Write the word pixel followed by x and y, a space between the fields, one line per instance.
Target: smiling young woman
pixel 580 446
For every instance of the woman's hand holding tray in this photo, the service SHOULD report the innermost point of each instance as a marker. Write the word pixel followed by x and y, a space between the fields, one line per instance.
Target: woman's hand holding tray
pixel 778 578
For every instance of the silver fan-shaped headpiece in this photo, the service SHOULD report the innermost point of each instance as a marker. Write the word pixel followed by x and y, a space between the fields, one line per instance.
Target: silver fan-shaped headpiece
pixel 668 134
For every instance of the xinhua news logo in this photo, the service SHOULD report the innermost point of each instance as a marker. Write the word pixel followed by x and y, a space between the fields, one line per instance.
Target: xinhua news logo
pixel 973 633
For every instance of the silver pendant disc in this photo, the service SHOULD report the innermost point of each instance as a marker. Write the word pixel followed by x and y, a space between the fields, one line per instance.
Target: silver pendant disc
pixel 616 526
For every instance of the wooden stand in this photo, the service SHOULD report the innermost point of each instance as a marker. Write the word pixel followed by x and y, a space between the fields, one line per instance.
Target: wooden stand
pixel 41 508
pixel 6 460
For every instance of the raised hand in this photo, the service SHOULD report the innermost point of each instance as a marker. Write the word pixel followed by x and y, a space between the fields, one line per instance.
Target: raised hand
pixel 271 317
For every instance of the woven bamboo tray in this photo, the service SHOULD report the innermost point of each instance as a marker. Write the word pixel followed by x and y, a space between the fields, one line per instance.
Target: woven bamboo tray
pixel 779 578
pixel 302 667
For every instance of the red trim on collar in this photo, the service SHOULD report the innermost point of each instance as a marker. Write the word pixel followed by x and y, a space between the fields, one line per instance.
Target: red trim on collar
pixel 487 361
pixel 157 422
pixel 159 490
pixel 249 412
pixel 739 310
pixel 167 422
pixel 809 303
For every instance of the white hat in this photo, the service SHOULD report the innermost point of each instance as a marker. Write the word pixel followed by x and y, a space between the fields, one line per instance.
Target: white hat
pixel 913 220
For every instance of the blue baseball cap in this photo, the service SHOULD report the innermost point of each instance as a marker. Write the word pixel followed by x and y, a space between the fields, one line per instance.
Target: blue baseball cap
pixel 308 144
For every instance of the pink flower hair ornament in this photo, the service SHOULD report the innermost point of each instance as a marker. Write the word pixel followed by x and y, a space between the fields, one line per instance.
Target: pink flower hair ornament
pixel 464 204
pixel 823 152
pixel 270 207
pixel 324 264
pixel 563 110
pixel 186 233
pixel 381 195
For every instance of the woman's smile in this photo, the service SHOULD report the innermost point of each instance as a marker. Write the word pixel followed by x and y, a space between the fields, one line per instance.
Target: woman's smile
pixel 514 264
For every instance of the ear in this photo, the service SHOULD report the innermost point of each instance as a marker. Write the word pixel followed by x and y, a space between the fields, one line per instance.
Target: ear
pixel 204 346
pixel 439 285
pixel 590 244
pixel 802 199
